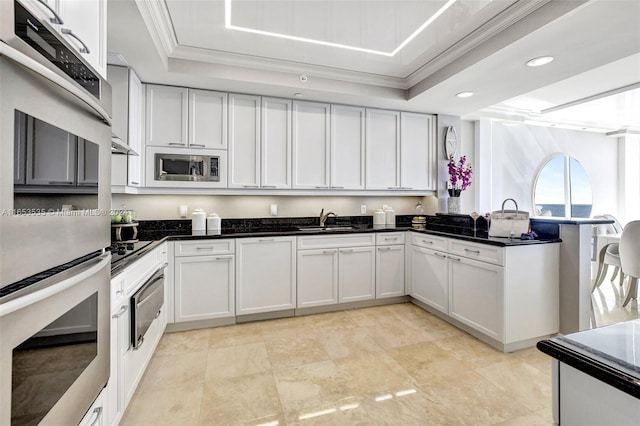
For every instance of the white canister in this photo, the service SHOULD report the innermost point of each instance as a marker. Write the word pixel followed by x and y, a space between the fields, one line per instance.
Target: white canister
pixel 378 217
pixel 214 222
pixel 390 216
pixel 198 220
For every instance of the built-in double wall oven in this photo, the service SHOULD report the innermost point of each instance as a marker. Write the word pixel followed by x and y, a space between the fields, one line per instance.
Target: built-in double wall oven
pixel 55 151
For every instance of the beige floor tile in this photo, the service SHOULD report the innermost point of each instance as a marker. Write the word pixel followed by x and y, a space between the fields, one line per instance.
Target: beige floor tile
pixel 367 317
pixel 330 321
pixel 345 412
pixel 376 373
pixel 171 371
pixel 342 343
pixel 406 408
pixel 239 334
pixel 183 342
pixel 539 418
pixel 468 348
pixel 236 361
pixel 310 386
pixel 176 406
pixel 285 328
pixel 427 361
pixel 240 400
pixel 394 334
pixel 285 352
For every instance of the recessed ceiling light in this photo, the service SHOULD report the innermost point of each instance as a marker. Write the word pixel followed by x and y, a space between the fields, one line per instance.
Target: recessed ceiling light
pixel 539 61
pixel 464 94
pixel 229 25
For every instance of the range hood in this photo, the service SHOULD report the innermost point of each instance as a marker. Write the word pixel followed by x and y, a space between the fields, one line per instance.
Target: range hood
pixel 119 147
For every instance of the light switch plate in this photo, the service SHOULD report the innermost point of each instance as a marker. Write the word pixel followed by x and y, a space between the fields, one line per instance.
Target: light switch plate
pixel 274 209
pixel 363 209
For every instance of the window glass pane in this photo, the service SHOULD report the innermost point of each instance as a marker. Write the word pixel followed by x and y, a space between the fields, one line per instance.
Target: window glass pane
pixel 581 197
pixel 549 197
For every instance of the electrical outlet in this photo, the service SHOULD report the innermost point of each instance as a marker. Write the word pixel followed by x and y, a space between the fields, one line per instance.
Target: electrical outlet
pixel 363 209
pixel 274 210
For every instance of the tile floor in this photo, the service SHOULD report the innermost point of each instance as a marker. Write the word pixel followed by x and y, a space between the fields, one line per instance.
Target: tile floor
pixel 390 365
pixel 606 301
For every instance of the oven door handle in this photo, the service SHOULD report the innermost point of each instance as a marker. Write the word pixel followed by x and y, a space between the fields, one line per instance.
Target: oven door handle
pixel 67 279
pixel 31 64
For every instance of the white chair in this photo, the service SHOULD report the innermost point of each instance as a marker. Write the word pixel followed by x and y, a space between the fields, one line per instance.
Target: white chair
pixel 630 257
pixel 609 254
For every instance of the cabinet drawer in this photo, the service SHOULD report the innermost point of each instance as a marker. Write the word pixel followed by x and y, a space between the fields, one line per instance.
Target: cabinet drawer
pixel 336 241
pixel 388 238
pixel 482 252
pixel 429 241
pixel 203 247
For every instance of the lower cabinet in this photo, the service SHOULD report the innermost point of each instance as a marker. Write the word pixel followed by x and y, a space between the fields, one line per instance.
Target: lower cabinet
pixel 265 274
pixel 317 277
pixel 356 274
pixel 430 278
pixel 204 287
pixel 389 271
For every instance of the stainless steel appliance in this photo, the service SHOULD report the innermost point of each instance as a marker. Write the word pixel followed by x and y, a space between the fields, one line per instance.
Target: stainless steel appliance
pixel 145 306
pixel 54 273
pixel 185 167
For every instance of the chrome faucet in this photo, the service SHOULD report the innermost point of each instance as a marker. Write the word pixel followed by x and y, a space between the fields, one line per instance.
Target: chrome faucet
pixel 323 217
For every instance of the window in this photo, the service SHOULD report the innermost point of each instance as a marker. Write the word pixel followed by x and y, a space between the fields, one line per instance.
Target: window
pixel 562 189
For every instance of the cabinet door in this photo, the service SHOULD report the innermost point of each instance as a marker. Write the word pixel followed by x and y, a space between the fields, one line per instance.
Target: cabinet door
pixel 389 271
pixel 317 277
pixel 310 145
pixel 204 287
pixel 417 151
pixel 276 143
pixel 166 116
pixel 383 149
pixel 265 274
pixel 119 80
pixel 430 278
pixel 207 119
pixel 87 19
pixel 476 295
pixel 88 163
pixel 51 155
pixel 347 147
pixel 136 129
pixel 357 274
pixel 244 141
pixel 118 346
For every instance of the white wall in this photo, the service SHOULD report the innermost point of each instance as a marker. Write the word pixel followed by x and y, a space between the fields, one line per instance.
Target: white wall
pixel 162 207
pixel 518 152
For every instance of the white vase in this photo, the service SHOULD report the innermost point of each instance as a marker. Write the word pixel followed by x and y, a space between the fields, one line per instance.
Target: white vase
pixel 453 205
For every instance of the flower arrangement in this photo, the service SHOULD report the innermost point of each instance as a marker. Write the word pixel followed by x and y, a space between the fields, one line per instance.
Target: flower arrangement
pixel 459 176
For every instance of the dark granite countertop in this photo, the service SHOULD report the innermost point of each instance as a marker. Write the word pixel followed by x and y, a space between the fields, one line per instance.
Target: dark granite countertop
pixel 610 354
pixel 570 221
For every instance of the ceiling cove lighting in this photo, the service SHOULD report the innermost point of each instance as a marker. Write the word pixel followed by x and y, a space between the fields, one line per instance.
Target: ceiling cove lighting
pixel 228 25
pixel 539 61
pixel 464 94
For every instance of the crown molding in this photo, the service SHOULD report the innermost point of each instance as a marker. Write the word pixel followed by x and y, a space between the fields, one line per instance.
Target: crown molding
pixel 158 22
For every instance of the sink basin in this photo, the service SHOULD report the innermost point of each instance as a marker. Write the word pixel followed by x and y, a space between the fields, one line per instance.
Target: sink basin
pixel 325 229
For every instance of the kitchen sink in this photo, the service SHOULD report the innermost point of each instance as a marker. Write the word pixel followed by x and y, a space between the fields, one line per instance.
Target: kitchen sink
pixel 325 228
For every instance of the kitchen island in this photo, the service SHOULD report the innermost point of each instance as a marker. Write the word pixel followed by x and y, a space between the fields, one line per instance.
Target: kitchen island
pixel 596 375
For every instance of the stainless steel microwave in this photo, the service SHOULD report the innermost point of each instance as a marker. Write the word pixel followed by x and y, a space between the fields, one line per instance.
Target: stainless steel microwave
pixel 188 168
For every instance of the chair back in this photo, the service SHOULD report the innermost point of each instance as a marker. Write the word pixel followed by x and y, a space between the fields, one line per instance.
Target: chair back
pixel 630 249
pixel 609 228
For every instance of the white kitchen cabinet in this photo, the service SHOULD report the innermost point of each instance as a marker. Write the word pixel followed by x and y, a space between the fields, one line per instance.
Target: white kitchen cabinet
pixel 135 163
pixel 356 274
pixel 265 274
pixel 382 149
pixel 347 147
pixel 476 295
pixel 418 164
pixel 244 141
pixel 317 277
pixel 204 287
pixel 207 119
pixel 275 131
pixel 118 346
pixel 167 111
pixel 389 271
pixel 311 145
pixel 87 22
pixel 430 278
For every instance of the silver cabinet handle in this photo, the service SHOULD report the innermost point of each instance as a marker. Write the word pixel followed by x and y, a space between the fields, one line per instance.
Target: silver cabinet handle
pixel 98 413
pixel 135 183
pixel 60 182
pixel 384 248
pixel 472 251
pixel 427 242
pixel 328 252
pixel 457 259
pixel 406 187
pixel 204 248
pixel 177 144
pixel 197 145
pixel 337 187
pixel 251 186
pixel 266 240
pixel 444 256
pixel 139 344
pixel 346 251
pixel 391 239
pixel 84 48
pixel 120 292
pixel 56 18
pixel 224 257
pixel 269 186
pixel 322 187
pixel 121 312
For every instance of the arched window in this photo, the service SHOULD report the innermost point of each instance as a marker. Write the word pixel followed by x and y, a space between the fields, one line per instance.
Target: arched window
pixel 562 189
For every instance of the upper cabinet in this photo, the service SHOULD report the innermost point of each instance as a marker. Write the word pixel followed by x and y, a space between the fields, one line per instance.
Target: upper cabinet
pixel 84 28
pixel 417 151
pixel 275 131
pixel 181 117
pixel 383 149
pixel 310 145
pixel 347 147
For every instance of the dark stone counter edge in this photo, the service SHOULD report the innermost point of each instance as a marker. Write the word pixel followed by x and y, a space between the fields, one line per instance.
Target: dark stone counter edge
pixel 503 242
pixel 563 221
pixel 588 365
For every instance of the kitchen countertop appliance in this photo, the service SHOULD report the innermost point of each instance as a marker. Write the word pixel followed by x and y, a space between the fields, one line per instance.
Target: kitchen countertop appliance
pixel 55 274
